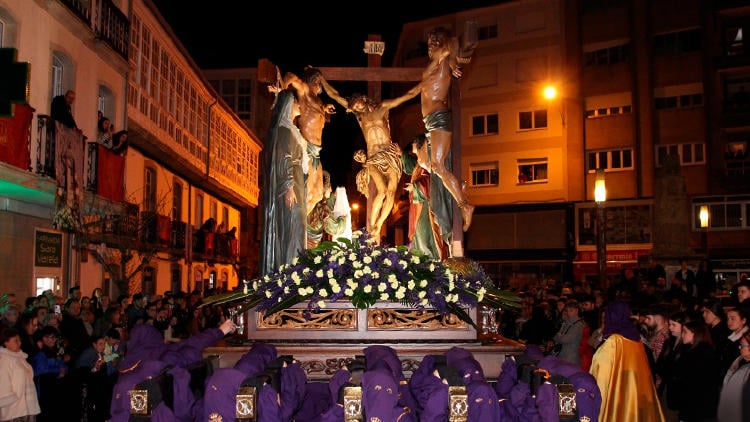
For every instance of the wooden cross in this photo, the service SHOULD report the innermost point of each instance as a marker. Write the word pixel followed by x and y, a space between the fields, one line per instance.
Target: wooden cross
pixel 374 74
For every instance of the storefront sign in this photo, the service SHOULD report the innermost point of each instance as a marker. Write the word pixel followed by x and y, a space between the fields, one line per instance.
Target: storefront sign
pixel 48 249
pixel 612 256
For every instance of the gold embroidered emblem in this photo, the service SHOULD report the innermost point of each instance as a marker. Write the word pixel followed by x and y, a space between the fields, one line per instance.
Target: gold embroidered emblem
pixel 215 417
pixel 138 402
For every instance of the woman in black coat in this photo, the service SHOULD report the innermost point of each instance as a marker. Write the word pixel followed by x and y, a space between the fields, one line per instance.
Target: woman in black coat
pixel 695 375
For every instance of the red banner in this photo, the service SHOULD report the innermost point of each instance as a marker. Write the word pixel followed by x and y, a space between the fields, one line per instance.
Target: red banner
pixel 110 174
pixel 14 137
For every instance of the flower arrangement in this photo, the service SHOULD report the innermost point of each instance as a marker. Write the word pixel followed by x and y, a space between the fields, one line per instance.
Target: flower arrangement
pixel 363 272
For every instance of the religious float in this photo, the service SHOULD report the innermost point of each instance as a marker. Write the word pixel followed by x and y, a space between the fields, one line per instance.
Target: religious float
pixel 334 300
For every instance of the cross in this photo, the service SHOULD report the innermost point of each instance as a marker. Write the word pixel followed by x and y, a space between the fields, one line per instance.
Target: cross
pixel 375 75
pixel 14 85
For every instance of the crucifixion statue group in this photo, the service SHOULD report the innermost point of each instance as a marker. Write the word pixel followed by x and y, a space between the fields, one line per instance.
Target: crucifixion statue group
pixel 294 185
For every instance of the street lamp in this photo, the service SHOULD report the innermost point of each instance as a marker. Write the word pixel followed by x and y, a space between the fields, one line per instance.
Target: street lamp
pixel 704 217
pixel 600 197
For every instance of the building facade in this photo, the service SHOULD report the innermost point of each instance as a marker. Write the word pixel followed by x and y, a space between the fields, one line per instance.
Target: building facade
pixel 169 211
pixel 649 94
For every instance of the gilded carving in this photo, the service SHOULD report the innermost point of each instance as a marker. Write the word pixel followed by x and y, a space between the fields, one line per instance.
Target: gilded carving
pixel 330 319
pixel 410 319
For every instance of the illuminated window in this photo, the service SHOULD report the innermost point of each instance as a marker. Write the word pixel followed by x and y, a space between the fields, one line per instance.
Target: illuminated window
pixel 484 174
pixel 532 170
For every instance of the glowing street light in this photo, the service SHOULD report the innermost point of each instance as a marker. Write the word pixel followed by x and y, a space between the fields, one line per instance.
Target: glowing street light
pixel 705 217
pixel 550 92
pixel 600 197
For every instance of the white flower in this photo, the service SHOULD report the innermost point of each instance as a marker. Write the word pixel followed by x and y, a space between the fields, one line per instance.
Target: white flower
pixel 425 302
pixel 375 275
pixel 402 264
pixel 302 291
pixel 286 290
pixel 367 288
pixel 384 296
pixel 367 270
pixel 323 293
pixel 367 260
pixel 352 256
pixel 321 303
pixel 318 259
pixel 279 282
pixel 329 273
pixel 349 292
pixel 387 262
pixel 382 287
pixel 269 293
pixel 295 260
pixel 356 264
pixel 411 284
pixel 400 294
pixel 358 274
pixel 351 283
pixel 335 289
pixel 423 283
pixel 415 259
pixel 422 294
pixel 432 267
pixel 451 286
pixel 319 273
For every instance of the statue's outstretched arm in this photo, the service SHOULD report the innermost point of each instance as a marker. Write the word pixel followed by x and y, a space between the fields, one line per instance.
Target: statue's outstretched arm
pixel 333 93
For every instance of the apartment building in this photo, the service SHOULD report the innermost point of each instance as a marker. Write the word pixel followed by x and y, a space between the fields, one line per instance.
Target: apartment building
pixel 171 212
pixel 640 85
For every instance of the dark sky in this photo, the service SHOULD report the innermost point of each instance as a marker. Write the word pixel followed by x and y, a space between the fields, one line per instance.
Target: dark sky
pixel 221 34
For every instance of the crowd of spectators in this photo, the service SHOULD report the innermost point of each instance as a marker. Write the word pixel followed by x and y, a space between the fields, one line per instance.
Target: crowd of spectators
pixel 695 338
pixel 74 344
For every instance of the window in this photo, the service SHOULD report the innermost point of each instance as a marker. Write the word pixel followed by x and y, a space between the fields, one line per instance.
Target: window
pixel 486 124
pixel 690 154
pixel 57 76
pixel 609 111
pixel 532 170
pixel 725 212
pixel 225 217
pixel 679 101
pixel 609 160
pixel 733 41
pixel 149 189
pixel 677 42
pixel 177 201
pixel 198 210
pixel 484 174
pixel 213 209
pixel 627 222
pixel 2 32
pixel 487 32
pixel 606 56
pixel 536 119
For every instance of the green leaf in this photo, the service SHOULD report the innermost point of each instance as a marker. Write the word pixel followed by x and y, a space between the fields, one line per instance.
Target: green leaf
pixel 284 304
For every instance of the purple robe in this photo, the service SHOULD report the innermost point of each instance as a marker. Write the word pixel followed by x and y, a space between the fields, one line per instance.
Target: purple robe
pixel 380 397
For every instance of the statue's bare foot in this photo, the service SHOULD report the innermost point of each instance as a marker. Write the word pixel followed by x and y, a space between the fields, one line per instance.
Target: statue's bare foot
pixel 467 211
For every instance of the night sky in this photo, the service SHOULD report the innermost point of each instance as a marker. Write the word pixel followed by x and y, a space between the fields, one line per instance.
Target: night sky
pixel 221 34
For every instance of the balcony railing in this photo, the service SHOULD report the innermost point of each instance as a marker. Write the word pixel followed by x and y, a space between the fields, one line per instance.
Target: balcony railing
pixel 211 246
pixel 109 24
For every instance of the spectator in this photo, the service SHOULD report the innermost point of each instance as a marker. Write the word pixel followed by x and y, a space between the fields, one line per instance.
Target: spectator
pixel 9 316
pixel 695 375
pixel 73 329
pixel 18 398
pixel 62 111
pixel 136 311
pixel 51 371
pixel 568 339
pixel 714 315
pixel 737 323
pixel 687 277
pixel 734 401
pixel 27 326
